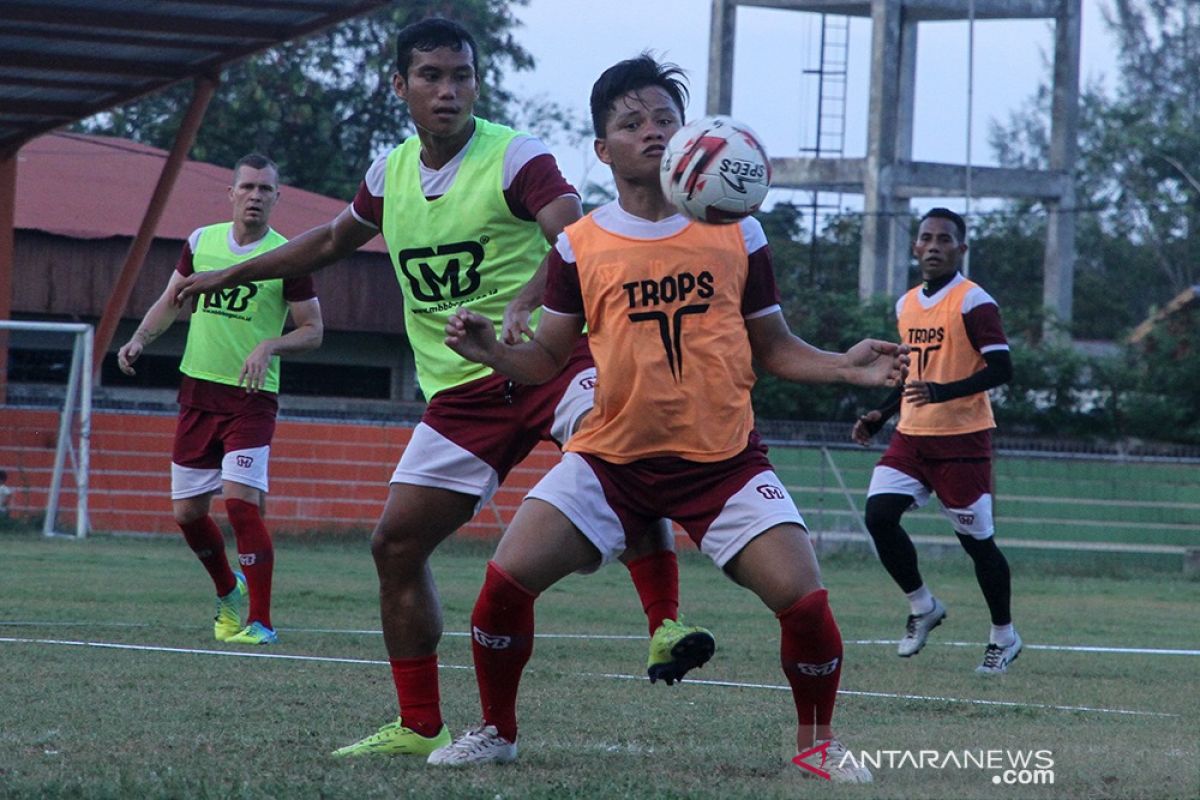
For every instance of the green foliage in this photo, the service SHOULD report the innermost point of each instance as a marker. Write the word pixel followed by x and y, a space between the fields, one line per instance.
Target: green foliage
pixel 1137 179
pixel 323 107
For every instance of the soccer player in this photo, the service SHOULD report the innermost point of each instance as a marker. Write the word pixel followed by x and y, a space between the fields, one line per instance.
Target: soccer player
pixel 943 441
pixel 468 209
pixel 676 311
pixel 227 397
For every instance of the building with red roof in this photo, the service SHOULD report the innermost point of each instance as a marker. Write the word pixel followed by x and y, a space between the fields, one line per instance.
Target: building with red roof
pixel 79 202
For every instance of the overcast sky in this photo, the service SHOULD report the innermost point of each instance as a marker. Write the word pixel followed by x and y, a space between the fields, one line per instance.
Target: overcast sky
pixel 574 41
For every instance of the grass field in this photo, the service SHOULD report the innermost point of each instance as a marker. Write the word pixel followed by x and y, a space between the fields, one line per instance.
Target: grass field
pixel 113 686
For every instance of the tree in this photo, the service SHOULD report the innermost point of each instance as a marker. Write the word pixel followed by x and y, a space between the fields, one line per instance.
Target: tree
pixel 1138 180
pixel 323 107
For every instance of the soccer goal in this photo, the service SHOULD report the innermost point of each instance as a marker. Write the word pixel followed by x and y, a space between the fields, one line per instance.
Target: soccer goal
pixel 74 436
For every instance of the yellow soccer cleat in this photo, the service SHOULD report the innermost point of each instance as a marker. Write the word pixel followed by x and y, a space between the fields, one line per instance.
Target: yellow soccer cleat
pixel 393 739
pixel 254 633
pixel 228 621
pixel 675 649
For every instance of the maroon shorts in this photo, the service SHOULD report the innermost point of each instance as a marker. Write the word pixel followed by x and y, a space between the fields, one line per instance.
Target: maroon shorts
pixel 958 469
pixel 500 422
pixel 202 438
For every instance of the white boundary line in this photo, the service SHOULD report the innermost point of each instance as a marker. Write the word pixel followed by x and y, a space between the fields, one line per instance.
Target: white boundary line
pixel 1066 648
pixel 609 675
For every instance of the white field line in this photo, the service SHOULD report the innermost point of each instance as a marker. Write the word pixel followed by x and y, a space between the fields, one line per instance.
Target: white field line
pixel 608 675
pixel 1065 648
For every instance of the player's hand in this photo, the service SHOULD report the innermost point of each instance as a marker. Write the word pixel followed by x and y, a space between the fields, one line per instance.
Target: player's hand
pixel 254 370
pixel 199 283
pixel 867 426
pixel 471 336
pixel 877 363
pixel 515 326
pixel 919 393
pixel 129 353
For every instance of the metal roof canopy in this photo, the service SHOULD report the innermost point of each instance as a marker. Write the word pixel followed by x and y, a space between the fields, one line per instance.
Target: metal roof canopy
pixel 64 60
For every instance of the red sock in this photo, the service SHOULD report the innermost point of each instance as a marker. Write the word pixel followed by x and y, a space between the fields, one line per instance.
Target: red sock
pixel 206 541
pixel 501 643
pixel 416 682
pixel 811 654
pixel 656 578
pixel 256 554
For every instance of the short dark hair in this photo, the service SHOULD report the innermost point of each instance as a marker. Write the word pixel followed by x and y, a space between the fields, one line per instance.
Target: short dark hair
pixel 960 225
pixel 629 76
pixel 3 475
pixel 430 34
pixel 256 161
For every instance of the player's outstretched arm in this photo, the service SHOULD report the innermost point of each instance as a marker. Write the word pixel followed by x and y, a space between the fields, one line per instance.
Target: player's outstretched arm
pixel 871 362
pixel 158 318
pixel 536 361
pixel 307 335
pixel 310 251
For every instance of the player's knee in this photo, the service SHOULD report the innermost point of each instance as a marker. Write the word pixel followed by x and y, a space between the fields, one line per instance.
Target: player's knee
pixel 399 550
pixel 979 546
pixel 188 511
pixel 883 513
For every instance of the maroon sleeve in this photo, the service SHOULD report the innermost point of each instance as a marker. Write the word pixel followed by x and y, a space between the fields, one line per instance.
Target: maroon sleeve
pixel 562 286
pixel 184 265
pixel 535 185
pixel 296 290
pixel 367 206
pixel 761 291
pixel 984 327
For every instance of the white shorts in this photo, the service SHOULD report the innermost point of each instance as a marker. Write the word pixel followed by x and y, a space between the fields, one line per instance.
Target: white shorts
pixel 974 520
pixel 741 513
pixel 247 467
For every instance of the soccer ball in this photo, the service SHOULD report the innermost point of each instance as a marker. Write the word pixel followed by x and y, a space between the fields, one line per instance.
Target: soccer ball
pixel 715 170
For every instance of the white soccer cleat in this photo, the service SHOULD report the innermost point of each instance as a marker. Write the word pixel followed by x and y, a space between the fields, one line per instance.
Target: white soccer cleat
pixel 917 628
pixel 996 658
pixel 482 745
pixel 836 762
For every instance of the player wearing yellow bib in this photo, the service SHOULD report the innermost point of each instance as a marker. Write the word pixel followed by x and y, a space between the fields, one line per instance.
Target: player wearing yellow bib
pixel 227 397
pixel 943 442
pixel 468 209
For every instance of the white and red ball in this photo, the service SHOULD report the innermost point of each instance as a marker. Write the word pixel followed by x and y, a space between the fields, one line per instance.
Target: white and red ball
pixel 716 170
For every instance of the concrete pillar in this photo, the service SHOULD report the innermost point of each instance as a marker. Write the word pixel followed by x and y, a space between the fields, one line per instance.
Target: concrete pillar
pixel 1059 267
pixel 879 207
pixel 722 32
pixel 899 228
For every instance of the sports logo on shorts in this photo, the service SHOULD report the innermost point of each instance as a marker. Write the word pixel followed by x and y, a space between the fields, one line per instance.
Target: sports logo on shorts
pixel 244 462
pixel 489 641
pixel 966 519
pixel 818 670
pixel 770 492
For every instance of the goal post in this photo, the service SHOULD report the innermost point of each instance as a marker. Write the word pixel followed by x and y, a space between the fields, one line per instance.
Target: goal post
pixel 73 439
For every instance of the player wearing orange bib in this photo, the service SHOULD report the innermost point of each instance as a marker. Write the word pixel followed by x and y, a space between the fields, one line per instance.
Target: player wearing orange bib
pixel 943 443
pixel 675 311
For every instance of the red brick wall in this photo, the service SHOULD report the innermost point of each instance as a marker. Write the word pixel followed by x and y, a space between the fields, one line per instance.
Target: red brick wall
pixel 324 476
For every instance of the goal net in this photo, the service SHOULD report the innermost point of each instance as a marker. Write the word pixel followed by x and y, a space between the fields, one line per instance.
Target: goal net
pixel 72 441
